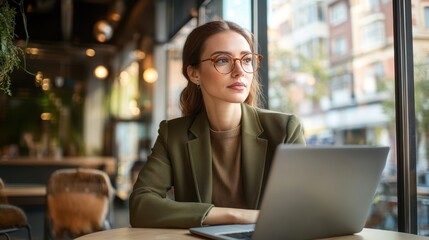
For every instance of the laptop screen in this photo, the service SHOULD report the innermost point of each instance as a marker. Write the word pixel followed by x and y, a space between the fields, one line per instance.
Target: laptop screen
pixel 316 192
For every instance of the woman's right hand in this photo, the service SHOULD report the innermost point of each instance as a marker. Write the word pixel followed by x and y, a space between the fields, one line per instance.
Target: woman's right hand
pixel 220 215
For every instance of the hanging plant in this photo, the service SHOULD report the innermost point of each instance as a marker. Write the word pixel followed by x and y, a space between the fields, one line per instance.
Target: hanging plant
pixel 9 53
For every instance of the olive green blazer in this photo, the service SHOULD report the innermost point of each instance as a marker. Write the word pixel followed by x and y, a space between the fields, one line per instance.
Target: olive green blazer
pixel 181 157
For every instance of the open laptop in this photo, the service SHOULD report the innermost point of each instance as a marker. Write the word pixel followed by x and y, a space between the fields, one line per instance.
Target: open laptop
pixel 311 193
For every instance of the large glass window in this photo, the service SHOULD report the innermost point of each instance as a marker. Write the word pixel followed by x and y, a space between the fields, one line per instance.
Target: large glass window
pixel 421 86
pixel 337 75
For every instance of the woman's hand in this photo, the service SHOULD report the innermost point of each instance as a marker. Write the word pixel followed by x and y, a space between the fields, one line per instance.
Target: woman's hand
pixel 219 215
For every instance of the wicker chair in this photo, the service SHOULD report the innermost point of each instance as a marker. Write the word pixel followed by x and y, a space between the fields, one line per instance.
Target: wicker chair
pixel 78 203
pixel 12 218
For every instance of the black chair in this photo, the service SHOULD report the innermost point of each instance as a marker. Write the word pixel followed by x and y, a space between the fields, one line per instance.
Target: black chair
pixel 12 218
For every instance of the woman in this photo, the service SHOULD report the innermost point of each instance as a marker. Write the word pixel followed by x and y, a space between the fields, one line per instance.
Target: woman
pixel 217 156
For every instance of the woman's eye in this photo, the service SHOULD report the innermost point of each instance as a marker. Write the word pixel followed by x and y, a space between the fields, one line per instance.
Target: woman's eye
pixel 247 60
pixel 222 60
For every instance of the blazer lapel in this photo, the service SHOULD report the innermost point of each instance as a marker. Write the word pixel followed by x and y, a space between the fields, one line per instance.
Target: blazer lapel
pixel 200 157
pixel 253 155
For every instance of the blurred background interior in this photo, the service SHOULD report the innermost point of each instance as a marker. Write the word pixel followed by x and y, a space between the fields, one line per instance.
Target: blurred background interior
pixel 99 75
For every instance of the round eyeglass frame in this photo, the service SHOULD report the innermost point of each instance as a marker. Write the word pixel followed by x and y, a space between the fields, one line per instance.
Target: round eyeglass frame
pixel 214 57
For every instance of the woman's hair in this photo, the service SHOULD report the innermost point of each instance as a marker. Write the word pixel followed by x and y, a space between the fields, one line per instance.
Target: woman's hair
pixel 191 99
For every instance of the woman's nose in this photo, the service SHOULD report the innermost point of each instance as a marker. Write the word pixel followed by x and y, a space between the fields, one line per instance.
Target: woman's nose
pixel 237 68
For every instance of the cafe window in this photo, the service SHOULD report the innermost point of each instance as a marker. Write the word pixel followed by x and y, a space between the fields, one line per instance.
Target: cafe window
pixel 421 88
pixel 339 100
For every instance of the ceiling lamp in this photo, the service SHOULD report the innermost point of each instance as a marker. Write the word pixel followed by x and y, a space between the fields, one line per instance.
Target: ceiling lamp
pixel 103 31
pixel 101 72
pixel 116 11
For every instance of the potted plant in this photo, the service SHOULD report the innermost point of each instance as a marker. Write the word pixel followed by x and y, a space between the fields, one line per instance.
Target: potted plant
pixel 9 53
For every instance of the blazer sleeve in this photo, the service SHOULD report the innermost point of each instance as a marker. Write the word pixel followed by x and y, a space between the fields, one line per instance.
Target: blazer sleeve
pixel 148 204
pixel 295 131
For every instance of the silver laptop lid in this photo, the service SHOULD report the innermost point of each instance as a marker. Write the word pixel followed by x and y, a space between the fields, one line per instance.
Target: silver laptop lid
pixel 318 192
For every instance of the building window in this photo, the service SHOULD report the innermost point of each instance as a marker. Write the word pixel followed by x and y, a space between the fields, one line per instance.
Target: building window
pixel 426 17
pixel 339 47
pixel 373 5
pixel 373 35
pixel 338 14
pixel 310 14
pixel 341 90
pixel 321 12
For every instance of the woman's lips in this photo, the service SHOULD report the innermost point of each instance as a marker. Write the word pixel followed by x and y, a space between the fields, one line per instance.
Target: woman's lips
pixel 237 86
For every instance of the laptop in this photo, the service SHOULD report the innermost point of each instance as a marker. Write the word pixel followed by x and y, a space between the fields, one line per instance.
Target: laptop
pixel 312 192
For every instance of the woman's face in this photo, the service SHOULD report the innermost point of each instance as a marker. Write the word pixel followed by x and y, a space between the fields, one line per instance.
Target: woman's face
pixel 216 87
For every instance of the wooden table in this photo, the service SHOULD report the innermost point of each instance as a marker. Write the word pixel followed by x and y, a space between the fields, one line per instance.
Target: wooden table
pixel 24 194
pixel 183 234
pixel 108 164
pixel 18 190
pixel 38 170
pixel 26 178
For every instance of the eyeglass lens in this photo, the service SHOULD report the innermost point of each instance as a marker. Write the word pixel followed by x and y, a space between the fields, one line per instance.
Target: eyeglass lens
pixel 225 63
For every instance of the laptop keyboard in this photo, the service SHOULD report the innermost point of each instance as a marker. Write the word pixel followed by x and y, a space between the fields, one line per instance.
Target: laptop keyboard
pixel 240 235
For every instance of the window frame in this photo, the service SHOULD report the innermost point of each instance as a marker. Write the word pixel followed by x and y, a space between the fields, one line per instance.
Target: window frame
pixel 405 120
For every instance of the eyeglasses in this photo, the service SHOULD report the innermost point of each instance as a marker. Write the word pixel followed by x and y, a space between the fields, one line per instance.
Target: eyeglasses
pixel 225 63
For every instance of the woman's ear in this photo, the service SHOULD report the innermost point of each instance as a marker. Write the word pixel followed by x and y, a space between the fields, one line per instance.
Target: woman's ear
pixel 193 74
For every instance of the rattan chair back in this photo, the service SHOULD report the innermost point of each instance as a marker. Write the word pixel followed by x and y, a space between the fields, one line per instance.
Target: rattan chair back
pixel 78 202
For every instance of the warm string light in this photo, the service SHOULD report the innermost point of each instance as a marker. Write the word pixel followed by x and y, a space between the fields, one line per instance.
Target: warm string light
pixel 90 52
pixel 150 75
pixel 46 116
pixel 101 72
pixel 46 84
pixel 38 78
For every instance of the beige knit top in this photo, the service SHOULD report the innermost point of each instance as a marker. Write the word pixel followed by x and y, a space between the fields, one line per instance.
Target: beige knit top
pixel 227 180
